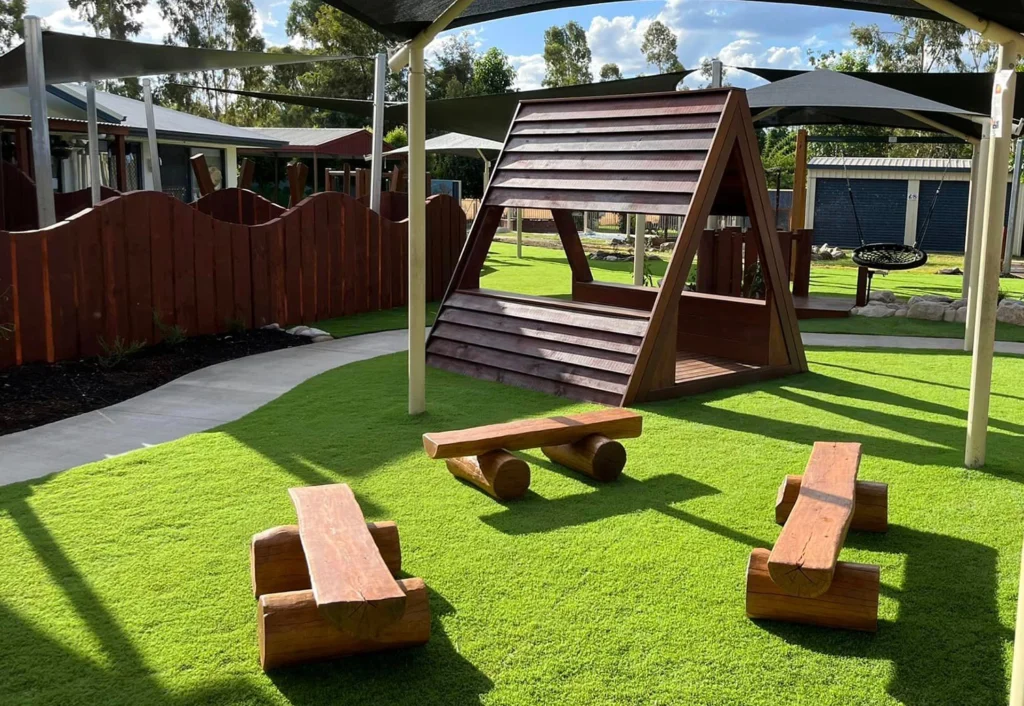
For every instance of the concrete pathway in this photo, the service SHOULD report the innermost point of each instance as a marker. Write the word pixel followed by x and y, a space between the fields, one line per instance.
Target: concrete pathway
pixel 227 391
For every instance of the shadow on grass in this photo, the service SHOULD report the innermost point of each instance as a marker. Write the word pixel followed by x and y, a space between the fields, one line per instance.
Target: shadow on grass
pixel 412 675
pixel 34 660
pixel 947 386
pixel 946 643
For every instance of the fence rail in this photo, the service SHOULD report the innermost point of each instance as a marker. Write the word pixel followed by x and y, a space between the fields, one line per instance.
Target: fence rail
pixel 114 270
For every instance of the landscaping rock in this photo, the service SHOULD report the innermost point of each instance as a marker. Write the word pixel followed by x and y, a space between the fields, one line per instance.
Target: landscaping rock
pixel 322 339
pixel 958 303
pixel 824 254
pixel 937 298
pixel 901 313
pixel 1011 311
pixel 961 316
pixel 876 310
pixel 950 271
pixel 884 296
pixel 298 330
pixel 271 327
pixel 926 310
pixel 949 314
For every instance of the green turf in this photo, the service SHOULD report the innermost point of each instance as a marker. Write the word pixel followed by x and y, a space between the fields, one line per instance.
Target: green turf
pixel 389 320
pixel 127 581
pixel 904 327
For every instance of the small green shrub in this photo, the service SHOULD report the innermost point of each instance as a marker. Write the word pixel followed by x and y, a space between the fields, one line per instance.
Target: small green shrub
pixel 116 353
pixel 172 335
pixel 236 326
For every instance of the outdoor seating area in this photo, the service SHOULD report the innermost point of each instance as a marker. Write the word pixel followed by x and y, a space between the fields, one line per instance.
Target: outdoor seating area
pixel 363 449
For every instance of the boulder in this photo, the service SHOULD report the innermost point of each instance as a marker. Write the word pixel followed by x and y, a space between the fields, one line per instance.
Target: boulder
pixel 901 313
pixel 950 271
pixel 874 310
pixel 961 316
pixel 958 303
pixel 824 254
pixel 929 311
pixel 322 339
pixel 936 298
pixel 298 330
pixel 949 314
pixel 884 296
pixel 1011 311
pixel 271 327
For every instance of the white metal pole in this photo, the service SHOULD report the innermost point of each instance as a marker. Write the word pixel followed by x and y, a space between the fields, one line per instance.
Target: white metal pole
pixel 36 73
pixel 519 233
pixel 988 276
pixel 1012 222
pixel 417 228
pixel 972 207
pixel 639 246
pixel 94 142
pixel 973 264
pixel 380 75
pixel 154 150
pixel 716 74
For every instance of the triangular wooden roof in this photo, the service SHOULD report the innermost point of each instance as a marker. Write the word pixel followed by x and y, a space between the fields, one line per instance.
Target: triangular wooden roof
pixel 689 154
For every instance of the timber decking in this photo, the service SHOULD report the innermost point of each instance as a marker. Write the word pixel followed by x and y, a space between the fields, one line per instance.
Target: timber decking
pixel 693 366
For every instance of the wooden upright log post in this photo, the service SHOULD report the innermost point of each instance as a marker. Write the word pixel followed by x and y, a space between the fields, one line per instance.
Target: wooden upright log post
pixel 246 174
pixel 870 507
pixel 798 211
pixel 297 174
pixel 202 173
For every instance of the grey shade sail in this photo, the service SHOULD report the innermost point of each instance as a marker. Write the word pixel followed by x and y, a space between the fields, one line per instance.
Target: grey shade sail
pixel 967 91
pixel 481 116
pixel 456 143
pixel 70 58
pixel 831 98
pixel 404 19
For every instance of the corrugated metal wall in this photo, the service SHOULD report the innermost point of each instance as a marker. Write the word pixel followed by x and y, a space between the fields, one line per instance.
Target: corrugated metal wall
pixel 881 207
pixel 948 226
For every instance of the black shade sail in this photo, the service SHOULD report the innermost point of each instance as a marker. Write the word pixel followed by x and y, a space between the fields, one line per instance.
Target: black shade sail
pixel 70 58
pixel 972 91
pixel 832 98
pixel 404 19
pixel 479 116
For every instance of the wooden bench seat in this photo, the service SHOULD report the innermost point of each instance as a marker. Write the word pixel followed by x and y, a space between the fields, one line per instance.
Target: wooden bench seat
pixel 584 442
pixel 327 587
pixel 802 579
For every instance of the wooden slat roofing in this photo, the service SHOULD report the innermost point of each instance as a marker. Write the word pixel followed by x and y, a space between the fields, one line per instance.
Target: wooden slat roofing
pixel 643 154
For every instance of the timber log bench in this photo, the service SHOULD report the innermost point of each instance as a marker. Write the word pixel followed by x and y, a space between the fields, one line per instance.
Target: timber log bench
pixel 583 442
pixel 327 588
pixel 801 579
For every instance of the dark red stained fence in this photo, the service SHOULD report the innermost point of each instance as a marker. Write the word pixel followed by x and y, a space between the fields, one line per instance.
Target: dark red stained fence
pixel 110 271
pixel 394 205
pixel 18 202
pixel 724 259
pixel 238 206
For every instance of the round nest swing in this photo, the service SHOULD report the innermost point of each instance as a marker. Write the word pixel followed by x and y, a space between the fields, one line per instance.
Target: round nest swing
pixel 889 256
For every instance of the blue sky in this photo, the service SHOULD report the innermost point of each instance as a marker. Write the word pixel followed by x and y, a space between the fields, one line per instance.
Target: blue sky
pixel 741 33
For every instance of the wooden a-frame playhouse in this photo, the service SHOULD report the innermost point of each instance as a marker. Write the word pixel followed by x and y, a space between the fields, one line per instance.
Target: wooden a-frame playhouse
pixel 691 154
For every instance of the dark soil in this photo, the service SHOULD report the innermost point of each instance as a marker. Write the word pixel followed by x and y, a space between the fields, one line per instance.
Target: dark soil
pixel 39 393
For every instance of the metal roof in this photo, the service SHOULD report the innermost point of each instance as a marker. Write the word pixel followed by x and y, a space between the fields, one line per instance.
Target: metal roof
pixel 170 124
pixel 404 19
pixel 456 143
pixel 909 164
pixel 305 136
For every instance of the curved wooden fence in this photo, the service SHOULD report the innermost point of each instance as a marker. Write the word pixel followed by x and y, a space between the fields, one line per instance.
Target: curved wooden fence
pixel 111 271
pixel 18 210
pixel 234 205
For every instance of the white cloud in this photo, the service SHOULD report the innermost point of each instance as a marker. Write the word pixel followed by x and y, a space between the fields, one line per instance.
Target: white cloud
pixel 154 27
pixel 66 20
pixel 269 20
pixel 739 52
pixel 529 71
pixel 784 57
pixel 617 41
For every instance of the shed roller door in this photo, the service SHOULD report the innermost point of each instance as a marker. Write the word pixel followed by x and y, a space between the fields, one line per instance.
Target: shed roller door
pixel 948 227
pixel 881 207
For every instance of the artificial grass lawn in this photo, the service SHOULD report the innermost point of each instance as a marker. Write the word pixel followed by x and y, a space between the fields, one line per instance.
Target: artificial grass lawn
pixel 904 327
pixel 389 320
pixel 127 581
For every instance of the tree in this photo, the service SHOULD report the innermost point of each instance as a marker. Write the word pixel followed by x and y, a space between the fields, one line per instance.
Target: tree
pixel 397 137
pixel 566 56
pixel 115 19
pixel 778 154
pixel 493 73
pixel 659 48
pixel 924 45
pixel 610 72
pixel 452 75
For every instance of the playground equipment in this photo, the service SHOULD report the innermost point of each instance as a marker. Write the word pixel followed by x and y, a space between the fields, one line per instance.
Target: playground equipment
pixel 801 579
pixel 327 587
pixel 583 442
pixel 687 154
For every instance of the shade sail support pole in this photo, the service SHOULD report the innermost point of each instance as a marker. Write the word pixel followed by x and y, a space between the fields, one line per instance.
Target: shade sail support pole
pixel 1000 34
pixel 988 264
pixel 519 232
pixel 925 120
pixel 40 124
pixel 972 207
pixel 94 142
pixel 639 251
pixel 417 229
pixel 154 150
pixel 380 75
pixel 1013 222
pixel 401 58
pixel 973 262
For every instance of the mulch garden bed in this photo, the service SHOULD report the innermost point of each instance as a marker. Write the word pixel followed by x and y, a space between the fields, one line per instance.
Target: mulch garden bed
pixel 39 393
